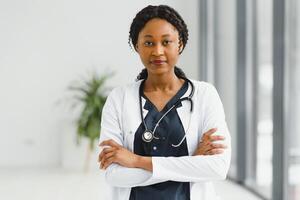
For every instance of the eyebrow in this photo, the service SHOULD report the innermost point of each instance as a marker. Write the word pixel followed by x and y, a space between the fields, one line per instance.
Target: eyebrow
pixel 165 35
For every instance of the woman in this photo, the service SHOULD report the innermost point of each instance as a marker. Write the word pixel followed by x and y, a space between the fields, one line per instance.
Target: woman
pixel 160 132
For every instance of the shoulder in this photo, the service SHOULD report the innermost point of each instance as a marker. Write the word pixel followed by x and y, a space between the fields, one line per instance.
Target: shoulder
pixel 118 93
pixel 206 94
pixel 203 88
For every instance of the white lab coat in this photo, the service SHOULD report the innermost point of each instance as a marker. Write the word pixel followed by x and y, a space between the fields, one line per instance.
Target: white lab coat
pixel 121 118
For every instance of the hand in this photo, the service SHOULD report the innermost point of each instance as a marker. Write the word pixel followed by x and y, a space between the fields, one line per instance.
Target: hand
pixel 207 145
pixel 115 153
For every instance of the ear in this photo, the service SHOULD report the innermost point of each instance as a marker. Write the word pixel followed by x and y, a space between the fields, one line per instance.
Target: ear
pixel 180 46
pixel 136 47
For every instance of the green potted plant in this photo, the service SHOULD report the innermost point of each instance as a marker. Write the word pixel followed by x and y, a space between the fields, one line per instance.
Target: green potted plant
pixel 90 95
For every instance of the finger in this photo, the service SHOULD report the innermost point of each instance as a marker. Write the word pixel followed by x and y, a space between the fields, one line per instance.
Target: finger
pixel 104 151
pixel 216 137
pixel 210 131
pixel 205 143
pixel 109 149
pixel 203 148
pixel 108 162
pixel 100 165
pixel 107 156
pixel 110 142
pixel 214 152
pixel 206 136
pixel 101 155
pixel 218 146
pixel 106 143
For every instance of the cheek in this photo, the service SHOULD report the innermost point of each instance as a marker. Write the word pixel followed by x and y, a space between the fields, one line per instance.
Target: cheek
pixel 143 54
pixel 143 58
pixel 173 54
pixel 174 49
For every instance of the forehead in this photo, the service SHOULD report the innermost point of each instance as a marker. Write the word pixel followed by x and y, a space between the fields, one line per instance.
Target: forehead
pixel 158 28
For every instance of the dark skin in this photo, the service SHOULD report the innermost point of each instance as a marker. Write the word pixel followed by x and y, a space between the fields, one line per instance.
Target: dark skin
pixel 158 47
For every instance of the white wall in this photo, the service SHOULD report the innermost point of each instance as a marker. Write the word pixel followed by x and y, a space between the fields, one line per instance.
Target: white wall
pixel 46 44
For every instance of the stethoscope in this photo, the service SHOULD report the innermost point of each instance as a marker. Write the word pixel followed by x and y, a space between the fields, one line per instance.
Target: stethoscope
pixel 149 135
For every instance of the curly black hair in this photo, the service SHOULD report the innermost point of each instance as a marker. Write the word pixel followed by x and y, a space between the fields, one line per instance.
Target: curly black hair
pixel 163 12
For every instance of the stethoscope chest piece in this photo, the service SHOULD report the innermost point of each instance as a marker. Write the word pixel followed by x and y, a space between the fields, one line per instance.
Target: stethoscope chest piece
pixel 147 136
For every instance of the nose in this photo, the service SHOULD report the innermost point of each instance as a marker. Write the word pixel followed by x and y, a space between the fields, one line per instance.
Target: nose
pixel 158 50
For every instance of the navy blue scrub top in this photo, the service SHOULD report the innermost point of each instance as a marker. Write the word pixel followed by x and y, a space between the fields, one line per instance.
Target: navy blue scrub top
pixel 170 131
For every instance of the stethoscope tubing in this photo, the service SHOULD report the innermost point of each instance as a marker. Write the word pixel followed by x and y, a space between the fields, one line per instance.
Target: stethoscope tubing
pixel 151 134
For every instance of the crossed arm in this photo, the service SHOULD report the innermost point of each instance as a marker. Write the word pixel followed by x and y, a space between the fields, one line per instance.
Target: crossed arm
pixel 115 153
pixel 210 161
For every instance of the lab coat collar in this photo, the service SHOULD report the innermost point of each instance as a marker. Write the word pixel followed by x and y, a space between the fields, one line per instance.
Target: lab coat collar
pixel 183 110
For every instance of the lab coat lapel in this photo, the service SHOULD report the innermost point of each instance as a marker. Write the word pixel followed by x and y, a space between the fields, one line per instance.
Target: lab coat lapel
pixel 145 111
pixel 184 111
pixel 131 115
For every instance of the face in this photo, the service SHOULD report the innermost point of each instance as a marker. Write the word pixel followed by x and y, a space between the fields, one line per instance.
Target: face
pixel 158 46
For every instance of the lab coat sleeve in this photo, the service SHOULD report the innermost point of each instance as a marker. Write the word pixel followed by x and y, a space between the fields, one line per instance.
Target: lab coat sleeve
pixel 201 167
pixel 117 175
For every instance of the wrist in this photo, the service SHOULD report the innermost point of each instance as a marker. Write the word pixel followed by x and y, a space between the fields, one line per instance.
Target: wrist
pixel 137 161
pixel 144 162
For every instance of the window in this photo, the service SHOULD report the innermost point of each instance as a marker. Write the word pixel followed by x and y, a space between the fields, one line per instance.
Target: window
pixel 264 126
pixel 293 96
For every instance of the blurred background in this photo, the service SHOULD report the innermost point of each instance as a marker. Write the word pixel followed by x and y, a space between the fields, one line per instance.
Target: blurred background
pixel 249 49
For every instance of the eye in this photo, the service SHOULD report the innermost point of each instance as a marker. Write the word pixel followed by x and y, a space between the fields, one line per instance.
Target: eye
pixel 148 43
pixel 166 42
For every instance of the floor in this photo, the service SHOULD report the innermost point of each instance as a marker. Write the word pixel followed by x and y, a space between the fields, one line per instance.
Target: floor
pixel 59 184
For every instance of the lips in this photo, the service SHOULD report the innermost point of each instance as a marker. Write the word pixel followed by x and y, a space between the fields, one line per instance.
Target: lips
pixel 158 62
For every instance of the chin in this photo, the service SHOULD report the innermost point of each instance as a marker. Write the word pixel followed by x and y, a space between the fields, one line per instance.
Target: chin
pixel 159 72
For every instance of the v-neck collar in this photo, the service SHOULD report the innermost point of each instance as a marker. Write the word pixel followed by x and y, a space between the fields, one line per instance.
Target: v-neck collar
pixel 149 105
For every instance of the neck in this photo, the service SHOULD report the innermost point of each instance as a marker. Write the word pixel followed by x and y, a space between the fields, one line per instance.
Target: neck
pixel 162 82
